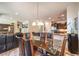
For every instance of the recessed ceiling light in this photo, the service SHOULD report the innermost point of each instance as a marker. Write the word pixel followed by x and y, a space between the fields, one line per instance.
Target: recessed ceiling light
pixel 49 18
pixel 16 13
pixel 62 15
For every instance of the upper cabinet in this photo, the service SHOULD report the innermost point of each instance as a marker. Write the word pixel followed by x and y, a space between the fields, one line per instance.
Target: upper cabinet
pixel 59 22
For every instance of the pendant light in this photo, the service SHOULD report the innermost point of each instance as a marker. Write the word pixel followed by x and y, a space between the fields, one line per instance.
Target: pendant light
pixel 38 22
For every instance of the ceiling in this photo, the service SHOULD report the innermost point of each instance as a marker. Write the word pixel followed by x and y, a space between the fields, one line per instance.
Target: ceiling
pixel 28 10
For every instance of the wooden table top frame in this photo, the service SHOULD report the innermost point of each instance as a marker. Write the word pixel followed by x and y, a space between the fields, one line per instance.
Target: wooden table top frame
pixel 62 51
pixel 44 46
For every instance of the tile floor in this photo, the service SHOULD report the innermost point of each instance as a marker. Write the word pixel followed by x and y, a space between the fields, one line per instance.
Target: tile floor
pixel 13 52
